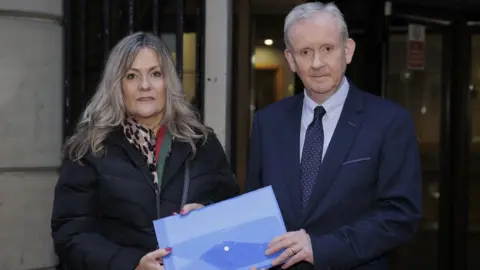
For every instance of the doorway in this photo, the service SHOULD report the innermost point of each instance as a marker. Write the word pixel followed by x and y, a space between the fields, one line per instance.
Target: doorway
pixel 416 81
pixel 473 242
pixel 268 86
pixel 428 64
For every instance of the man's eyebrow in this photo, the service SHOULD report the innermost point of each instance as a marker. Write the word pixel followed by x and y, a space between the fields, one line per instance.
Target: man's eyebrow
pixel 304 48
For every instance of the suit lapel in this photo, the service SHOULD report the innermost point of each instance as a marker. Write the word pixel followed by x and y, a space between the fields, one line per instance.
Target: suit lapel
pixel 291 160
pixel 343 137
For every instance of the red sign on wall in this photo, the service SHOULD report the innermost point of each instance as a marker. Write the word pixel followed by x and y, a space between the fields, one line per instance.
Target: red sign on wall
pixel 416 47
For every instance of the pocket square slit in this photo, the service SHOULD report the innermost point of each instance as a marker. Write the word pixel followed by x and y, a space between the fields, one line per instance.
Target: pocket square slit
pixel 356 160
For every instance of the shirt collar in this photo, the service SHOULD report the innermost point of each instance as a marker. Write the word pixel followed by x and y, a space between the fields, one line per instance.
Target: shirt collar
pixel 333 102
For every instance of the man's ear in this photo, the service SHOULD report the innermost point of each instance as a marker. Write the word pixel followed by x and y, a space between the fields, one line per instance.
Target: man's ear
pixel 290 60
pixel 349 50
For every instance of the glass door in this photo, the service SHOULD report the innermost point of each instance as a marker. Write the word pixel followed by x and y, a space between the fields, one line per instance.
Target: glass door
pixel 415 79
pixel 474 168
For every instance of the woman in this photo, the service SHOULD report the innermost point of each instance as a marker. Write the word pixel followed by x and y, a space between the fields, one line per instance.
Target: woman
pixel 139 153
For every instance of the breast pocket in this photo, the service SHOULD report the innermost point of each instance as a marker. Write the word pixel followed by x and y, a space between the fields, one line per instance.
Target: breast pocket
pixel 356 185
pixel 365 162
pixel 359 171
pixel 356 160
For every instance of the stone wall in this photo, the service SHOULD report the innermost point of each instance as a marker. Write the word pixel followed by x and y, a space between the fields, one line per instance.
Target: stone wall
pixel 30 129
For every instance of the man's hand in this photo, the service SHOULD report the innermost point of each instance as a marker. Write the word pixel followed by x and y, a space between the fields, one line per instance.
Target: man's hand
pixel 298 248
pixel 189 208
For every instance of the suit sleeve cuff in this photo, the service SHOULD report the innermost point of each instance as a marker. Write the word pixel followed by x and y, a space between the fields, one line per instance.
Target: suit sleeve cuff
pixel 329 251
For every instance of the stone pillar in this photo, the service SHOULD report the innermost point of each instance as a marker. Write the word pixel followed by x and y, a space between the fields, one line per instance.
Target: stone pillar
pixel 218 41
pixel 30 129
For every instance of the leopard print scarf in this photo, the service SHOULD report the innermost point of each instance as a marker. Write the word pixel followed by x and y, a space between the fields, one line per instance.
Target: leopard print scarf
pixel 144 140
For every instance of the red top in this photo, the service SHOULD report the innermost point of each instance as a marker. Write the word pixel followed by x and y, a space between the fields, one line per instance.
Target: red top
pixel 160 135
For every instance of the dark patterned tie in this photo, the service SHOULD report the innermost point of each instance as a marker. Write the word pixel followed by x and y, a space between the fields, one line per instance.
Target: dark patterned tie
pixel 312 154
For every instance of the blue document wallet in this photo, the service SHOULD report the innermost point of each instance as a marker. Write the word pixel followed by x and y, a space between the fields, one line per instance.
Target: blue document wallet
pixel 232 234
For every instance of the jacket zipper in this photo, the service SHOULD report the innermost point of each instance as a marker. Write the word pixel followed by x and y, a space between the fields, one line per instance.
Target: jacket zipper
pixel 158 190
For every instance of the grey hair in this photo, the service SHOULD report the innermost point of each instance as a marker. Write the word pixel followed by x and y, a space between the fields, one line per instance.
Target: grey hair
pixel 309 10
pixel 106 110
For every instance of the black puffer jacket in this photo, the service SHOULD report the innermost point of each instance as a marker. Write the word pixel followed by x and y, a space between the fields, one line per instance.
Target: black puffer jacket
pixel 103 209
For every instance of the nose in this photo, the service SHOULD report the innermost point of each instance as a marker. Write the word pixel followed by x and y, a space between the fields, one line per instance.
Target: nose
pixel 145 83
pixel 317 61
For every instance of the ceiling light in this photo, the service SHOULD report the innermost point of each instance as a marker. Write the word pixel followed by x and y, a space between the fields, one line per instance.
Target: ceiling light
pixel 268 42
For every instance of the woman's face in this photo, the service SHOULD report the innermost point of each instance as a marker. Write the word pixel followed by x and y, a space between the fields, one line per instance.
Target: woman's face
pixel 144 88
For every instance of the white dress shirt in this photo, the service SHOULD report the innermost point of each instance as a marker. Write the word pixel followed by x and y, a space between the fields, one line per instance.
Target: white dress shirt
pixel 333 107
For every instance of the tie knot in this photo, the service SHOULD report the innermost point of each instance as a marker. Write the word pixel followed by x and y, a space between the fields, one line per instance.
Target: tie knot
pixel 319 112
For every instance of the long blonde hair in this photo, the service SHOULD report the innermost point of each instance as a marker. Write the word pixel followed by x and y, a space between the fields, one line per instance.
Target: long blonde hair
pixel 106 110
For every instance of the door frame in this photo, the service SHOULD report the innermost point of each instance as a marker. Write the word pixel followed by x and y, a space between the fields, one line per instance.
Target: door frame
pixel 454 143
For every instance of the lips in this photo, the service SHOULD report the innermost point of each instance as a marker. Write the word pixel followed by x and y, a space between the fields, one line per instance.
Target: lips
pixel 145 99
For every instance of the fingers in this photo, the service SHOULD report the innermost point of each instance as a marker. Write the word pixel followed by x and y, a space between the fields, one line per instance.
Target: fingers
pixel 280 243
pixel 296 255
pixel 190 207
pixel 291 244
pixel 288 253
pixel 281 238
pixel 160 253
pixel 283 257
pixel 297 247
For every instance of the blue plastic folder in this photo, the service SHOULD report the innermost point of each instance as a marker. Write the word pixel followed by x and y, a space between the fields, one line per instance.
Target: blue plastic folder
pixel 229 235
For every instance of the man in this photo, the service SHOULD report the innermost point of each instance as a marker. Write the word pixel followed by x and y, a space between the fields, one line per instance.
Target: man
pixel 344 164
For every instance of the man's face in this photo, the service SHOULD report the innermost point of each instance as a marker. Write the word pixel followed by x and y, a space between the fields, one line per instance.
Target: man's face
pixel 318 53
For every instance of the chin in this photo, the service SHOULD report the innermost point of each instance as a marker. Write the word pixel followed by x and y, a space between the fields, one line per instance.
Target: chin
pixel 322 89
pixel 147 113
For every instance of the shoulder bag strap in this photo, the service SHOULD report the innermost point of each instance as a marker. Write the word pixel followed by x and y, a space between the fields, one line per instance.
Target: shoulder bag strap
pixel 186 182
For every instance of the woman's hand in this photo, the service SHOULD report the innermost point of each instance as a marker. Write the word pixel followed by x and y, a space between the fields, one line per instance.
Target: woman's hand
pixel 189 208
pixel 153 260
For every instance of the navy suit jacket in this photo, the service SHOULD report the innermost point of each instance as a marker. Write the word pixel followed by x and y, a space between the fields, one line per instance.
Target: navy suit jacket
pixel 367 198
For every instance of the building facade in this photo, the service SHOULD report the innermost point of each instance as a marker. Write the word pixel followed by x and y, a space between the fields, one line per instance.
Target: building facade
pixel 230 56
